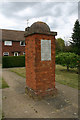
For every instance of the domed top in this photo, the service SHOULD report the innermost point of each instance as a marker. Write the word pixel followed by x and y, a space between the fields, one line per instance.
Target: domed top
pixel 40 27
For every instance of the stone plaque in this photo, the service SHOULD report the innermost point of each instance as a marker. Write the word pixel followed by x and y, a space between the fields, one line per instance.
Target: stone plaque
pixel 45 50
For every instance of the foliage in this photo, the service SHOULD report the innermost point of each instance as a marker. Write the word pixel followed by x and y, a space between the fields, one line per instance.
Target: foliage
pixel 68 48
pixel 13 61
pixel 76 38
pixel 60 45
pixel 0 59
pixel 68 59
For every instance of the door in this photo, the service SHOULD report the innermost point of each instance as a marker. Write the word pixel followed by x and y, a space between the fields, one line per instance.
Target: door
pixel 16 54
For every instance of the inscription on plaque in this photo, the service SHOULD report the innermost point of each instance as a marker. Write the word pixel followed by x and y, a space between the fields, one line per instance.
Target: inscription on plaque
pixel 45 50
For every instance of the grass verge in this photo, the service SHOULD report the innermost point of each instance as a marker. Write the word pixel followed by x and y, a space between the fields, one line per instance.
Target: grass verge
pixel 20 71
pixel 3 83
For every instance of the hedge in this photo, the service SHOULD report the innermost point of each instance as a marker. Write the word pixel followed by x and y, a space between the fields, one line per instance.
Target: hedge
pixel 0 60
pixel 13 61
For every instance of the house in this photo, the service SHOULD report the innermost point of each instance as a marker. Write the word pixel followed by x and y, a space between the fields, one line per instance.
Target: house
pixel 13 43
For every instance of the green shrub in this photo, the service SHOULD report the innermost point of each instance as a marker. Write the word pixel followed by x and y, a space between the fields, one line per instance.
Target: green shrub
pixel 13 61
pixel 68 59
pixel 0 59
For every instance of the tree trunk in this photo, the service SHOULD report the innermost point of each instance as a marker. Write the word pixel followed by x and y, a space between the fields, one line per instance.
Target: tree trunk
pixel 67 67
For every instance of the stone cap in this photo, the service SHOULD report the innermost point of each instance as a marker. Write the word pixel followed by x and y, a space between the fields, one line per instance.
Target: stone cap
pixel 39 28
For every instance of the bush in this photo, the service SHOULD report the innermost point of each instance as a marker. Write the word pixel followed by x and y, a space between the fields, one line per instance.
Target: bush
pixel 0 59
pixel 13 61
pixel 68 59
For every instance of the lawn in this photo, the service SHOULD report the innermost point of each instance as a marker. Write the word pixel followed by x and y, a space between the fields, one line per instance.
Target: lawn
pixel 65 77
pixel 62 76
pixel 3 83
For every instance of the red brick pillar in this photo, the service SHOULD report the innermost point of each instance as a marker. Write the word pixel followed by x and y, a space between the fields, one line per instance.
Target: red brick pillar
pixel 40 59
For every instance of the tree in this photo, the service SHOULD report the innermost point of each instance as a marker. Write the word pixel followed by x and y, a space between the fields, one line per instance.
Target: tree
pixel 68 59
pixel 75 42
pixel 68 48
pixel 60 45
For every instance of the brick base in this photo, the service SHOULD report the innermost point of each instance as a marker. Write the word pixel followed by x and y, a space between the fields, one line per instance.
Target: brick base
pixel 41 94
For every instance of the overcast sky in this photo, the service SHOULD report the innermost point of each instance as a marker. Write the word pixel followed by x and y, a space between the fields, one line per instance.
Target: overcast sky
pixel 60 16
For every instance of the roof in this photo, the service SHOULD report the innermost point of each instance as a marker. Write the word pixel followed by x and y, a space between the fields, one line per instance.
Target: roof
pixel 13 35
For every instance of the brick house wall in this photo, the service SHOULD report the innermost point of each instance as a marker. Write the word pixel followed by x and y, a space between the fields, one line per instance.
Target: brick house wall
pixel 14 48
pixel 14 36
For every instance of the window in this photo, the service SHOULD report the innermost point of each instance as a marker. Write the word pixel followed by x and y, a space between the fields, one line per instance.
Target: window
pixel 16 54
pixel 6 54
pixel 8 43
pixel 22 43
pixel 23 53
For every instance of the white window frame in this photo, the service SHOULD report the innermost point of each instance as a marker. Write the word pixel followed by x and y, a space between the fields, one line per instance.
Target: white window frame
pixel 10 44
pixel 17 53
pixel 20 43
pixel 5 52
pixel 23 53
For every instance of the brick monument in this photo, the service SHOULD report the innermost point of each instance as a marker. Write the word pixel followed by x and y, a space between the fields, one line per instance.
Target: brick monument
pixel 40 59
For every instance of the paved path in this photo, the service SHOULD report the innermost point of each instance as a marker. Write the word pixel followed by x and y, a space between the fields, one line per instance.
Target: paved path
pixel 16 104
